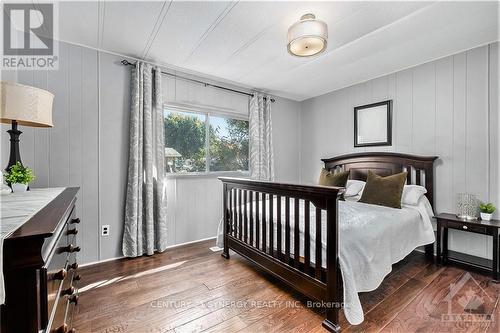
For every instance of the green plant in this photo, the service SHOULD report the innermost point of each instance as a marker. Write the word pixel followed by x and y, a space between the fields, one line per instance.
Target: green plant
pixel 487 208
pixel 19 174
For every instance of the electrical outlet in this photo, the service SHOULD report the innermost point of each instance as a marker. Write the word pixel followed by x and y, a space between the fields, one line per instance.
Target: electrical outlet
pixel 105 230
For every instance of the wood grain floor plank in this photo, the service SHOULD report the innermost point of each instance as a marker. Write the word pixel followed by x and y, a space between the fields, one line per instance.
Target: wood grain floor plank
pixel 191 289
pixel 389 308
pixel 417 315
pixel 171 307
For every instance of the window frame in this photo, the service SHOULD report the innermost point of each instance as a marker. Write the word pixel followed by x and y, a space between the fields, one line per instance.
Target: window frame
pixel 207 112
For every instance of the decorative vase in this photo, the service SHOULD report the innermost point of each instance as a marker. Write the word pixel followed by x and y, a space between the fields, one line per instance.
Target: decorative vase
pixel 467 206
pixel 486 216
pixel 17 187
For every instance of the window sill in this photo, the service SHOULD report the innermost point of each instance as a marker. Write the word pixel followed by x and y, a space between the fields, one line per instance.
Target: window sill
pixel 212 174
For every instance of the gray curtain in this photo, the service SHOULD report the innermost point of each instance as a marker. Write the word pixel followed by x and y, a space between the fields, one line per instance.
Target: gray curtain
pixel 145 209
pixel 261 138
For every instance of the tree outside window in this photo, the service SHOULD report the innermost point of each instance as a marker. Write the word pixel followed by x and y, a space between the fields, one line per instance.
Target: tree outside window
pixel 190 149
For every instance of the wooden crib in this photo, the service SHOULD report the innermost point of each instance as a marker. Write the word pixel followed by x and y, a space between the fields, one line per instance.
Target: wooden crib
pixel 249 225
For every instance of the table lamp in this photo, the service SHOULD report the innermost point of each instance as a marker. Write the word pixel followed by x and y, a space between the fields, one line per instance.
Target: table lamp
pixel 26 106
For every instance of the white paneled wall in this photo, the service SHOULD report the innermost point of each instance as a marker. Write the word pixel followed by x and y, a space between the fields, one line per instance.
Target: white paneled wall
pixel 88 147
pixel 67 154
pixel 447 108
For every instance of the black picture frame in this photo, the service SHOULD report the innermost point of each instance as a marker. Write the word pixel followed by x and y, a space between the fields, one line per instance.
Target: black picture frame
pixel 388 117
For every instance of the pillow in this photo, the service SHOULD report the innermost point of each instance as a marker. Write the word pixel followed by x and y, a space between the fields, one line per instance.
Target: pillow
pixel 384 191
pixel 354 188
pixel 412 194
pixel 338 179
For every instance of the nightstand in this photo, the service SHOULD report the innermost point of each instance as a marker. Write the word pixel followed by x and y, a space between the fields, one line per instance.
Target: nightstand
pixel 451 221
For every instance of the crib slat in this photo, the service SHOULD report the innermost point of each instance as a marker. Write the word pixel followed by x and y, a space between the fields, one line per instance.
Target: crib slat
pixel 408 175
pixel 271 225
pixel 257 221
pixel 287 230
pixel 235 222
pixel 250 193
pixel 245 217
pixel 307 238
pixel 278 227
pixel 318 247
pixel 264 228
pixel 240 216
pixel 296 235
pixel 417 175
pixel 231 211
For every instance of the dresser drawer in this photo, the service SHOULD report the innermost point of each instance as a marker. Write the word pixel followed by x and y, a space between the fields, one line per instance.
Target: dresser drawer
pixel 58 318
pixel 67 295
pixel 56 272
pixel 59 268
pixel 467 227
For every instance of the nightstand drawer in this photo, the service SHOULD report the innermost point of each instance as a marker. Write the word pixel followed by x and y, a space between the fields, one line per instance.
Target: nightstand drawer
pixel 467 227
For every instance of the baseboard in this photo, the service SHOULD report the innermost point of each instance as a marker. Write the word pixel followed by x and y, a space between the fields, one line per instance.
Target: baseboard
pixel 167 248
pixel 100 261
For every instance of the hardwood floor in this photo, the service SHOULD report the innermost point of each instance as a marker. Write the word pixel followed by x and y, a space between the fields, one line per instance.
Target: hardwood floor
pixel 192 289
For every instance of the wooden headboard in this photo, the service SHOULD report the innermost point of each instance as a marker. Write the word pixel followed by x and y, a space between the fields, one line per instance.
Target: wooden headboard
pixel 420 168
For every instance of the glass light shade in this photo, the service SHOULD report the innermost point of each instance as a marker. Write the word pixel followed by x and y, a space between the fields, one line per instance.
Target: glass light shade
pixel 307 37
pixel 29 106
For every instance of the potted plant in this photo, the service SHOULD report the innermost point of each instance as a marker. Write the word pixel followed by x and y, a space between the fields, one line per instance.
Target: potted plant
pixel 19 177
pixel 487 209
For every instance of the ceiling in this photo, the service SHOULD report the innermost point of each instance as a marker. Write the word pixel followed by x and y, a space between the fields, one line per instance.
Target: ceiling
pixel 245 42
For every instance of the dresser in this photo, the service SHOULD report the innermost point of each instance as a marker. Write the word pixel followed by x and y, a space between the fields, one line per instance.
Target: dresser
pixel 40 269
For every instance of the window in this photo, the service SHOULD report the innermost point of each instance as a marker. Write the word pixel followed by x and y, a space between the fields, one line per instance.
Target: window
pixel 202 142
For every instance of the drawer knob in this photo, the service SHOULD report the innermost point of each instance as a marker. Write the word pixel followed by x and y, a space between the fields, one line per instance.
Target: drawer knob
pixel 73 299
pixel 73 266
pixel 464 227
pixel 72 231
pixel 70 248
pixel 60 275
pixel 75 221
pixel 69 291
pixel 77 277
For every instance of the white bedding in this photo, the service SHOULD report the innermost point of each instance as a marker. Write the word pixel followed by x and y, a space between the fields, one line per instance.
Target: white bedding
pixel 372 238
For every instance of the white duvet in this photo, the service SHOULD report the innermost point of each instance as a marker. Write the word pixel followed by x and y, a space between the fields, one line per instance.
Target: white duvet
pixel 371 239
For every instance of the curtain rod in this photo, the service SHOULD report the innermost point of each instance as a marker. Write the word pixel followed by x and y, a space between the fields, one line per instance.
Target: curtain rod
pixel 206 84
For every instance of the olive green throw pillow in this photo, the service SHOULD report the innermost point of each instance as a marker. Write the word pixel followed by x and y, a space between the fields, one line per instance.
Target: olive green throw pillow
pixel 338 179
pixel 384 191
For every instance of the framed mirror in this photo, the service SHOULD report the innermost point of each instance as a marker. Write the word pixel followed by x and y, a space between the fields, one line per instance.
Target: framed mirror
pixel 372 124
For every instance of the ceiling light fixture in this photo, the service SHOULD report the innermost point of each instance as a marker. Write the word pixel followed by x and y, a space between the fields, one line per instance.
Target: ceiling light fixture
pixel 307 37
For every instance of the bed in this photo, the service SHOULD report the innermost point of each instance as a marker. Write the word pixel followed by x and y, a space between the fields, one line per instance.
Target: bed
pixel 328 260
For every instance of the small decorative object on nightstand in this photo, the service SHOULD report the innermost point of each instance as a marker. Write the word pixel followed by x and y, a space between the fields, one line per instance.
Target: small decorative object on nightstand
pixel 467 206
pixel 489 228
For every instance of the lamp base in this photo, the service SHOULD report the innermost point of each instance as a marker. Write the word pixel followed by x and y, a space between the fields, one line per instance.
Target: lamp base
pixel 15 156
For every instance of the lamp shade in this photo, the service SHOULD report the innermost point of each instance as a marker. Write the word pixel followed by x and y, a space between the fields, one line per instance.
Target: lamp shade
pixel 29 106
pixel 307 37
